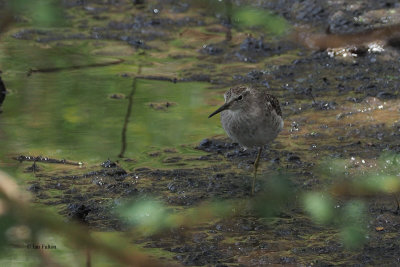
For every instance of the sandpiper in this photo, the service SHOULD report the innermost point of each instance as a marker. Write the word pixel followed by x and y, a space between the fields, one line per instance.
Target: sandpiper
pixel 250 117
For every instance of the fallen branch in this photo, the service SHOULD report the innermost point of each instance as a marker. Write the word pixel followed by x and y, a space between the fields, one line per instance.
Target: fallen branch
pixel 324 41
pixel 22 158
pixel 128 115
pixel 56 69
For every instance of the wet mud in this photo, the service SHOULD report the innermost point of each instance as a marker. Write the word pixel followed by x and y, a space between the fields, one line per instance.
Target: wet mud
pixel 334 108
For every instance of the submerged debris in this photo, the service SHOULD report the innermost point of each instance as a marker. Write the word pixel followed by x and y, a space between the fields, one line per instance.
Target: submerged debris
pixel 22 158
pixel 109 164
pixel 33 168
pixel 161 105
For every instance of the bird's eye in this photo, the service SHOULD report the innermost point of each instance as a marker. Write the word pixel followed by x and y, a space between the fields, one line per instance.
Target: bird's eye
pixel 240 97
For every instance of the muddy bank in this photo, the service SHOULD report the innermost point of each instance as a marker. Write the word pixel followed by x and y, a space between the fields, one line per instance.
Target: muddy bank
pixel 246 237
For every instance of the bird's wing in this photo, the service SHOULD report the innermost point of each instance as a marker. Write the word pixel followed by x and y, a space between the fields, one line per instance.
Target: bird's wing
pixel 272 103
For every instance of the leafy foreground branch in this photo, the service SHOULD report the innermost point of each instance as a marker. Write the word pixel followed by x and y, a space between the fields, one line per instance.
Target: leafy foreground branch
pixel 15 211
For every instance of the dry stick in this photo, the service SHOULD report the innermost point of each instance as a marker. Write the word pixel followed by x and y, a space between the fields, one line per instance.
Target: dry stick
pixel 88 258
pixel 324 41
pixel 255 169
pixel 41 159
pixel 34 168
pixel 173 80
pixel 309 92
pixel 127 116
pixel 398 205
pixel 228 6
pixel 130 99
pixel 158 78
pixel 56 69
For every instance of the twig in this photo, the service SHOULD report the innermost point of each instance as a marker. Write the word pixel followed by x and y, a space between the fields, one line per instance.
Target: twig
pixel 22 158
pixel 228 6
pixel 88 258
pixel 56 69
pixel 127 116
pixel 309 92
pixel 158 78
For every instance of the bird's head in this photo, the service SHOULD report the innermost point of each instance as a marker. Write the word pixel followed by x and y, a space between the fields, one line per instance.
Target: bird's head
pixel 236 98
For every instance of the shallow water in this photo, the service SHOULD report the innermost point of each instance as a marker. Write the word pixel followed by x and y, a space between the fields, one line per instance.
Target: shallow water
pixel 71 115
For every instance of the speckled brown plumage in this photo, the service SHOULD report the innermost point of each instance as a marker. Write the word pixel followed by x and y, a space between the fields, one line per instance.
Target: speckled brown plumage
pixel 274 103
pixel 251 117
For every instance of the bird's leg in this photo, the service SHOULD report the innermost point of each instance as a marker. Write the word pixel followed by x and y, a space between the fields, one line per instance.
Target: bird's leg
pixel 255 169
pixel 398 205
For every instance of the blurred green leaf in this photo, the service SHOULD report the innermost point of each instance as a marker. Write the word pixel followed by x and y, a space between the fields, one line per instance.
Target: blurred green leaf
pixel 319 206
pixel 333 168
pixel 389 162
pixel 353 220
pixel 277 194
pixel 252 17
pixel 47 13
pixel 378 183
pixel 221 208
pixel 211 5
pixel 147 214
pixel 44 13
pixel 244 16
pixel 353 236
pixel 390 184
pixel 6 221
pixel 150 216
pixel 354 212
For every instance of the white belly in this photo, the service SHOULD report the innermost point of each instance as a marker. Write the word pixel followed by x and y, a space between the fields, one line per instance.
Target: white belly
pixel 250 131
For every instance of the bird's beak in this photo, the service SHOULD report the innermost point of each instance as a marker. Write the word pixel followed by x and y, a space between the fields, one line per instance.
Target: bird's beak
pixel 221 108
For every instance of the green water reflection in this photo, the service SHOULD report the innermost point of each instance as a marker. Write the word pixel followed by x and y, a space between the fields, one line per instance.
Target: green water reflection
pixel 70 114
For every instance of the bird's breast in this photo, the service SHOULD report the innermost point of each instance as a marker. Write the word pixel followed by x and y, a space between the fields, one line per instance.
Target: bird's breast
pixel 251 130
